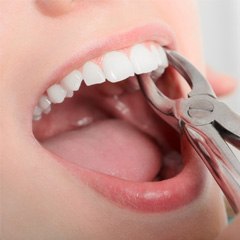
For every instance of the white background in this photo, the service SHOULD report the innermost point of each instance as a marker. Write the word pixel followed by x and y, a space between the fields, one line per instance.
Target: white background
pixel 221 34
pixel 221 31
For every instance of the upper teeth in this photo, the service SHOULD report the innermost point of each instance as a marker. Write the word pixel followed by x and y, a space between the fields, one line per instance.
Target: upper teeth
pixel 115 66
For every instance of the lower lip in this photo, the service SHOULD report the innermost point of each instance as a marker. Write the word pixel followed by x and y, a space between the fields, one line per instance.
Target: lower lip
pixel 162 196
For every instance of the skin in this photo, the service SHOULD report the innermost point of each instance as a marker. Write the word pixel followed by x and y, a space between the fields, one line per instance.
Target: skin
pixel 33 43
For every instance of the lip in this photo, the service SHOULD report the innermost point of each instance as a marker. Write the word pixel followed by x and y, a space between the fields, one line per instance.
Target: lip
pixel 160 196
pixel 156 31
pixel 148 197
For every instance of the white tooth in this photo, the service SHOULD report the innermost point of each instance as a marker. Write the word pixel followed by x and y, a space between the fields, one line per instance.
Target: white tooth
pixel 44 102
pixel 72 81
pixel 142 59
pixel 84 121
pixel 163 57
pixel 37 118
pixel 69 94
pixel 47 110
pixel 157 55
pixel 117 66
pixel 37 113
pixel 92 74
pixel 156 74
pixel 56 93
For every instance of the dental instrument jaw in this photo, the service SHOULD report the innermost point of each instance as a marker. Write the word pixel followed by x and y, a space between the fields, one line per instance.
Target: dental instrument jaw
pixel 206 122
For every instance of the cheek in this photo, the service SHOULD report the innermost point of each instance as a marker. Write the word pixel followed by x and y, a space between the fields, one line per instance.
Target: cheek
pixel 182 16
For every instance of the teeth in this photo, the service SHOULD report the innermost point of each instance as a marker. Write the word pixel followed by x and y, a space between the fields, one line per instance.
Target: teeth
pixel 71 82
pixel 37 113
pixel 48 110
pixel 157 55
pixel 163 56
pixel 117 66
pixel 92 74
pixel 56 93
pixel 44 103
pixel 142 59
pixel 157 73
pixel 69 94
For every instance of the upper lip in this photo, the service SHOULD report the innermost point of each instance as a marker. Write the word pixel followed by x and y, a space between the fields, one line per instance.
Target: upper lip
pixel 157 31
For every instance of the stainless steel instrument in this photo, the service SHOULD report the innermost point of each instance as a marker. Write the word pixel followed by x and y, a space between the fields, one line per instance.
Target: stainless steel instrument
pixel 207 123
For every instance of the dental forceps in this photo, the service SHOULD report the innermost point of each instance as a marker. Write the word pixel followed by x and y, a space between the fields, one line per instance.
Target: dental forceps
pixel 207 123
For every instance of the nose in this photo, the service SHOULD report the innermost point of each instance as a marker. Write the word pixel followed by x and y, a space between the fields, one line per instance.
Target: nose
pixel 56 8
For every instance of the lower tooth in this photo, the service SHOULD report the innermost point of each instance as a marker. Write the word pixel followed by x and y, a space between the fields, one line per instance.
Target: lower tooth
pixel 84 121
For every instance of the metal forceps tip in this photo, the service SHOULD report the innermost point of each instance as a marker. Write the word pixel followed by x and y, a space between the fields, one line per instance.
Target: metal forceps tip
pixel 207 123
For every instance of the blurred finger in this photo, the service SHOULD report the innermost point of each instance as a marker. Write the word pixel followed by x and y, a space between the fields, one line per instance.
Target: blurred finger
pixel 221 83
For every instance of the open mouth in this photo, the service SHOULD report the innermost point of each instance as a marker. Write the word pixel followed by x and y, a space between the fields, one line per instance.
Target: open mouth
pixel 96 122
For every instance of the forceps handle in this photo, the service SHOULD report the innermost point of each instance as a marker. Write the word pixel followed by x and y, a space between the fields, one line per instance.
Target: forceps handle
pixel 228 122
pixel 221 162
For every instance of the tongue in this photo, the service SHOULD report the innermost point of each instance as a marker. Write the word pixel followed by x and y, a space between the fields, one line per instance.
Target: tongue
pixel 113 147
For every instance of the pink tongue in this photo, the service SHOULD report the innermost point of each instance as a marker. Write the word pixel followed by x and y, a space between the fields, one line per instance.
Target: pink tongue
pixel 113 147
